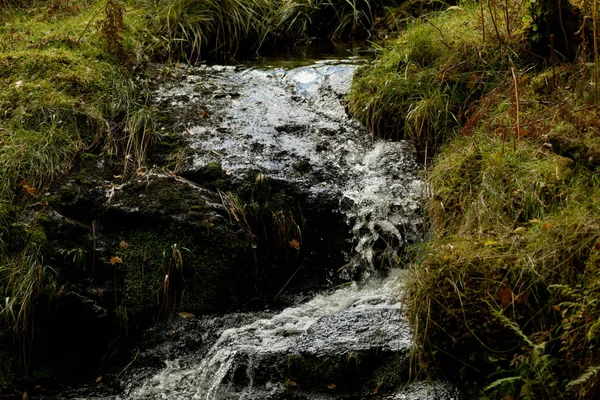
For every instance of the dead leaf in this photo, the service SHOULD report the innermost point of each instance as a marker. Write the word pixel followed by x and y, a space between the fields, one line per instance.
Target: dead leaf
pixel 140 173
pixel 504 296
pixel 98 379
pixel 295 244
pixel 29 189
pixel 123 245
pixel 546 226
pixel 491 243
pixel 25 395
pixel 331 386
pixel 115 260
pixel 186 315
pixel 111 193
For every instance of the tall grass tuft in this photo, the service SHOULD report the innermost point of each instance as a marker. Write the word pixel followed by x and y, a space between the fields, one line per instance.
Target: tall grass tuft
pixel 424 82
pixel 188 28
pixel 28 284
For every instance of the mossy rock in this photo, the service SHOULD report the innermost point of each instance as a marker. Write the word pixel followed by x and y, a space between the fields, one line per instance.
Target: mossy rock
pixel 366 373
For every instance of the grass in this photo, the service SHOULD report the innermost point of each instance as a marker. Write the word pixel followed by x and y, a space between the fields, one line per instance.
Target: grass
pixel 504 299
pixel 424 82
pixel 223 29
pixel 61 92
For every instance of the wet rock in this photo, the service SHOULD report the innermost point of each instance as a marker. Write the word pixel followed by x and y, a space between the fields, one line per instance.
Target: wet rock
pixel 349 344
pixel 291 126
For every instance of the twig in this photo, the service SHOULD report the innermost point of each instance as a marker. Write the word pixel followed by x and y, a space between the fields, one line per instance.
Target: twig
pixel 289 280
pixel 440 32
pixel 89 23
pixel 562 27
pixel 512 69
pixel 129 365
pixel 553 60
pixel 494 21
pixel 595 51
pixel 482 21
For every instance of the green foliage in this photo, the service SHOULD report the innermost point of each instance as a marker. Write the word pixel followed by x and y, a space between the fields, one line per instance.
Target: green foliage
pixel 274 227
pixel 188 29
pixel 507 288
pixel 62 90
pixel 423 83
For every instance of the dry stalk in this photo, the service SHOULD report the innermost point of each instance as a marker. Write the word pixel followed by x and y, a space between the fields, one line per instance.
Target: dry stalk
pixel 516 83
pixel 595 11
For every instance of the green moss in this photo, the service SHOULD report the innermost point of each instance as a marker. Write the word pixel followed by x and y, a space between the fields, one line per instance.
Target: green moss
pixel 386 377
pixel 359 372
pixel 202 284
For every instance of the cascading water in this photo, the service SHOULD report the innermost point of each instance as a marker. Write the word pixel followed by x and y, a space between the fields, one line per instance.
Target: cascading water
pixel 352 342
pixel 253 361
pixel 271 121
pixel 292 126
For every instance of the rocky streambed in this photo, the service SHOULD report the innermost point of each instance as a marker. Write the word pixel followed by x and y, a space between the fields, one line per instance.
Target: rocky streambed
pixel 275 200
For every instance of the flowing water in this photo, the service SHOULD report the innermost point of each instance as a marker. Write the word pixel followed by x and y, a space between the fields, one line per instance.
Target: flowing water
pixel 347 343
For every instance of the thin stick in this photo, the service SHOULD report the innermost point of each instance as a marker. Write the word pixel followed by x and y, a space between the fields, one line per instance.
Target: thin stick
pixel 553 60
pixel 89 23
pixel 562 27
pixel 482 21
pixel 512 69
pixel 492 8
pixel 289 280
pixel 129 365
pixel 595 51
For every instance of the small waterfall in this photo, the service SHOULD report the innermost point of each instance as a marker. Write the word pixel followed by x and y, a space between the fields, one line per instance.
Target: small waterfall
pixel 249 362
pixel 382 204
pixel 348 343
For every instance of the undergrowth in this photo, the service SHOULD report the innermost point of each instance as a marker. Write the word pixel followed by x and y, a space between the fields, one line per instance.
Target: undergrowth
pixel 191 30
pixel 504 297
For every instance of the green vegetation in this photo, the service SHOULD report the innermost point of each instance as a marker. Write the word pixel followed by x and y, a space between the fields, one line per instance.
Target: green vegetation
pixel 422 84
pixel 60 93
pixel 73 94
pixel 504 297
pixel 223 29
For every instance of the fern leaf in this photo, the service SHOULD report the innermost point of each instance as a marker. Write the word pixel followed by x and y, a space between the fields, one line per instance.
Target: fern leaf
pixel 501 382
pixel 589 373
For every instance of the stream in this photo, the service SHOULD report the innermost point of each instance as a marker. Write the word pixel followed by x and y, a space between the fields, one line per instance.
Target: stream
pixel 351 341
